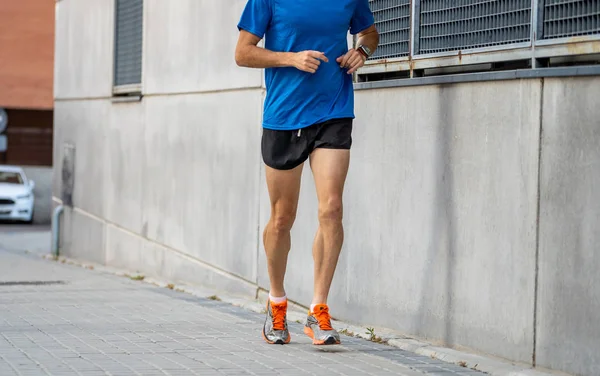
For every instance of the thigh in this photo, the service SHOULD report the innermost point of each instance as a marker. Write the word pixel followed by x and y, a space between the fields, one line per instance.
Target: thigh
pixel 284 189
pixel 330 168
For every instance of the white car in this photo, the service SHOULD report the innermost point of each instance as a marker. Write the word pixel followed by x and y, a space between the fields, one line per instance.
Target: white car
pixel 16 195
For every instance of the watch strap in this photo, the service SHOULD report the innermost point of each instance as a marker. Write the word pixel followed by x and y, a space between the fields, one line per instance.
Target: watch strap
pixel 362 51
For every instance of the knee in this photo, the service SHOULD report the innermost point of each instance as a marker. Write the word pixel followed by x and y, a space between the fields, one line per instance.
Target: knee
pixel 282 222
pixel 331 211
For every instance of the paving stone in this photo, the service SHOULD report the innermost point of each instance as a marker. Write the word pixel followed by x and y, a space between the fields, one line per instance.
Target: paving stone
pixel 100 324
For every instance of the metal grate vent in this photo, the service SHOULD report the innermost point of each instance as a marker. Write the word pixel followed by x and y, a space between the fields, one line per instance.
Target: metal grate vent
pixel 448 25
pixel 128 42
pixel 392 18
pixel 566 18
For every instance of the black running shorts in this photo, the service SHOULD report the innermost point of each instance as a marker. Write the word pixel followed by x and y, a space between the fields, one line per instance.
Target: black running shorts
pixel 285 150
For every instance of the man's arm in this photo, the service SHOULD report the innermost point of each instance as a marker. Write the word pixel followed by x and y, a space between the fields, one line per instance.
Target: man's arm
pixel 248 54
pixel 354 59
pixel 369 38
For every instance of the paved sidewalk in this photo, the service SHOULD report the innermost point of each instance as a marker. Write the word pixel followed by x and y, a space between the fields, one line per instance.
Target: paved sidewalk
pixel 57 319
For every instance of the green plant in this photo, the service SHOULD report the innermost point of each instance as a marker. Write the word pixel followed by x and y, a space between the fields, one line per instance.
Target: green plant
pixel 214 297
pixel 373 337
pixel 371 333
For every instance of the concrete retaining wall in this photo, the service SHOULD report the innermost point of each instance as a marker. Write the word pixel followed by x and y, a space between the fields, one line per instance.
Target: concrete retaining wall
pixel 42 176
pixel 440 206
pixel 568 316
pixel 444 240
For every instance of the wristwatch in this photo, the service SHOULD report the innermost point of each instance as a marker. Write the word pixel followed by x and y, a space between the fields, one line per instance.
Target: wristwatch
pixel 364 50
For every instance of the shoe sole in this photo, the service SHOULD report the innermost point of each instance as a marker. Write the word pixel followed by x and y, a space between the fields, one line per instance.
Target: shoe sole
pixel 329 341
pixel 278 342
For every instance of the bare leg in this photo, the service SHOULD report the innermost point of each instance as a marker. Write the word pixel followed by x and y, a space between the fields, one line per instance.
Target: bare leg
pixel 284 190
pixel 330 167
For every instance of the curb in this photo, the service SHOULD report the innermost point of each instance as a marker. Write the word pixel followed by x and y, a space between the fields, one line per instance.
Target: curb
pixel 297 313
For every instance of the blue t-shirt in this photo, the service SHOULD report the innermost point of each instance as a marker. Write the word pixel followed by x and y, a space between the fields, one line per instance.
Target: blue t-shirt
pixel 297 99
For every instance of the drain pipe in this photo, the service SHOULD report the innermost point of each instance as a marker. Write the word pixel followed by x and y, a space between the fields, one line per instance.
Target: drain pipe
pixel 56 229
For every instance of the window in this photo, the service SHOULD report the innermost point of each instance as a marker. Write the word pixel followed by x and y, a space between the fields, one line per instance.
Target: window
pixel 128 46
pixel 11 177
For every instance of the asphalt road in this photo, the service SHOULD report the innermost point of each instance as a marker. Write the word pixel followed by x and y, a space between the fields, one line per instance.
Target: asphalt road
pixel 30 238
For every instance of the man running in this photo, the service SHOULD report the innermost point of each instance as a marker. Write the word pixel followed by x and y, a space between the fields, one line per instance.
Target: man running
pixel 308 114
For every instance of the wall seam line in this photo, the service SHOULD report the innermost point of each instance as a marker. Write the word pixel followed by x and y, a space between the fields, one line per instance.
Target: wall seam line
pixel 537 229
pixel 256 255
pixel 159 94
pixel 214 268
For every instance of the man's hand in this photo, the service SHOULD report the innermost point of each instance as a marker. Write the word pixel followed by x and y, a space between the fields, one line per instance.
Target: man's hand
pixel 308 61
pixel 352 60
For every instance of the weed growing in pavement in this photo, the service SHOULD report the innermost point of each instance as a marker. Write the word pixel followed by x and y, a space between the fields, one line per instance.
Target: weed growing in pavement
pixel 373 337
pixel 215 298
pixel 371 333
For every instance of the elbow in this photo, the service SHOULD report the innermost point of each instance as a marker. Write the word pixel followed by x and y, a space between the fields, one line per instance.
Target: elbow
pixel 240 58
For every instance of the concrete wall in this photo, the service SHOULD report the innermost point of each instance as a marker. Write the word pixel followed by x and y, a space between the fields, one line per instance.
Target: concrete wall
pixel 442 198
pixel 568 320
pixel 144 206
pixel 440 207
pixel 84 51
pixel 42 176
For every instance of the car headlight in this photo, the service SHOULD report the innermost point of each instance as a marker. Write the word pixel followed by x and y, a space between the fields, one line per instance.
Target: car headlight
pixel 24 197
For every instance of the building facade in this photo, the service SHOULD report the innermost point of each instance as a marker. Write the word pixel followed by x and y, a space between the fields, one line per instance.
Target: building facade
pixel 471 212
pixel 26 95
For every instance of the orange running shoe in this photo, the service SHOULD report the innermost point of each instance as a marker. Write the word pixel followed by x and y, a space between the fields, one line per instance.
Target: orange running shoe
pixel 275 331
pixel 318 327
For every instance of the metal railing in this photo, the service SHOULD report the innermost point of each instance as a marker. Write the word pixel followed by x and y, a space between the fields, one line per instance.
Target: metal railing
pixel 419 35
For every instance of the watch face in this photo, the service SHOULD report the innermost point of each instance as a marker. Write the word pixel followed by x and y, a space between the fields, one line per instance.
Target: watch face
pixel 367 50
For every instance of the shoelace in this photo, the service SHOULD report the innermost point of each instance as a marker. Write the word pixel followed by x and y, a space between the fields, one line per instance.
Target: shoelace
pixel 279 311
pixel 323 317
